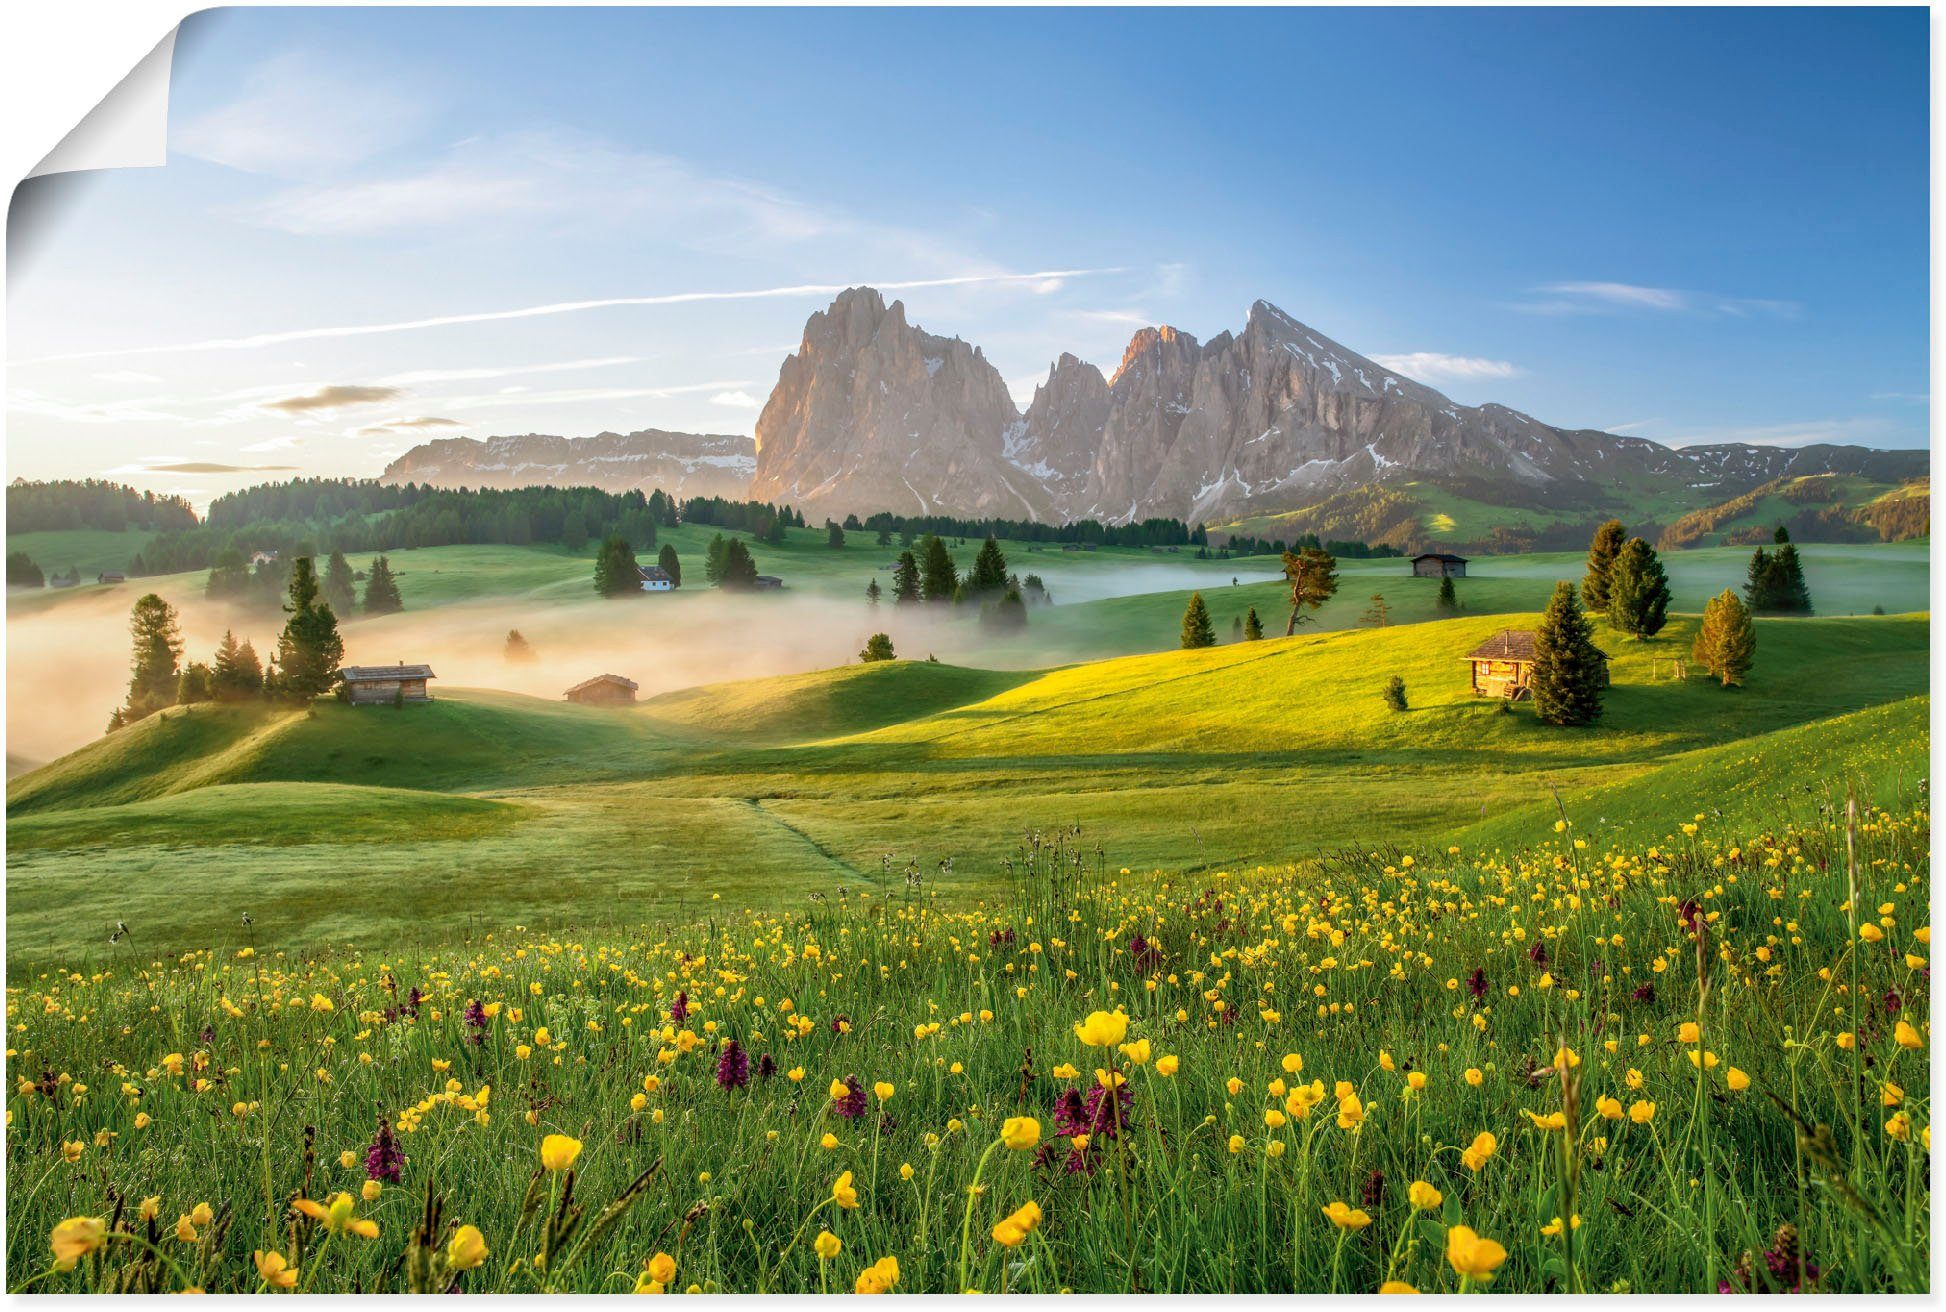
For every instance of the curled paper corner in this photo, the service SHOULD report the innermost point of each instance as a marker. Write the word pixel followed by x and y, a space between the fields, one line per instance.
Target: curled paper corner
pixel 129 128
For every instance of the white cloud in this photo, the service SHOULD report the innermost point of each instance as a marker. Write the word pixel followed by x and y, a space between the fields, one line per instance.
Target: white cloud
pixel 737 400
pixel 1919 398
pixel 1842 432
pixel 1604 297
pixel 297 119
pixel 1436 366
pixel 419 377
pixel 273 444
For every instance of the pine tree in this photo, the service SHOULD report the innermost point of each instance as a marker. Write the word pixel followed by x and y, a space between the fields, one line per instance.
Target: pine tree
pixel 670 564
pixel 1602 551
pixel 22 572
pixel 872 593
pixel 616 572
pixel 1788 591
pixel 885 537
pixel 517 651
pixel 1567 674
pixel 1726 644
pixel 1394 694
pixel 309 651
pixel 938 577
pixel 1236 628
pixel 834 534
pixel 574 531
pixel 153 673
pixel 1448 602
pixel 1313 576
pixel 1253 628
pixel 739 567
pixel 1638 591
pixel 1008 612
pixel 989 570
pixel 196 684
pixel 878 647
pixel 1756 582
pixel 714 560
pixel 382 590
pixel 236 674
pixel 905 580
pixel 1196 630
pixel 338 588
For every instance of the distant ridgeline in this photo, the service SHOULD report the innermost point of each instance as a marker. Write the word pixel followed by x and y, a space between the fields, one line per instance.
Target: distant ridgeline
pixel 317 516
pixel 91 503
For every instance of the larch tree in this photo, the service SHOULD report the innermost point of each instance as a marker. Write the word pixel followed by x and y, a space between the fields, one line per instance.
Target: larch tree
pixel 1313 578
pixel 1726 644
pixel 1567 677
pixel 878 647
pixel 1196 628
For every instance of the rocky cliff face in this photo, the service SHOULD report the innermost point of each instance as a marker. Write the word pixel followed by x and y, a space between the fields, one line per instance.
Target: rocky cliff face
pixel 681 464
pixel 871 413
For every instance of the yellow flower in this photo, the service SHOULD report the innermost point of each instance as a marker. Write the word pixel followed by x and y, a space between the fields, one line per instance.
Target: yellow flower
pixel 75 1238
pixel 1137 1052
pixel 1870 933
pixel 1236 1144
pixel 839 1091
pixel 1555 1227
pixel 1067 1070
pixel 1351 1112
pixel 202 1214
pixel 1168 1065
pixel 1907 1036
pixel 828 1142
pixel 466 1249
pixel 1737 1080
pixel 1102 1029
pixel 1899 1127
pixel 1347 1218
pixel 1551 1121
pixel 1609 1108
pixel 1891 1095
pixel 371 1190
pixel 1021 1133
pixel 878 1278
pixel 1013 1230
pixel 884 1091
pixel 347 1159
pixel 1690 1032
pixel 827 1245
pixel 336 1216
pixel 1641 1111
pixel 185 1230
pixel 1416 1081
pixel 662 1269
pixel 1293 1064
pixel 1471 1256
pixel 1423 1196
pixel 558 1152
pixel 1479 1151
pixel 1396 1287
pixel 1474 1077
pixel 844 1193
pixel 274 1270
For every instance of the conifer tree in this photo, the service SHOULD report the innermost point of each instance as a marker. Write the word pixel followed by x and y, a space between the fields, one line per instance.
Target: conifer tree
pixel 989 569
pixel 338 588
pixel 517 650
pixel 1008 612
pixel 196 684
pixel 1567 674
pixel 229 577
pixel 1602 551
pixel 382 590
pixel 739 567
pixel 1726 644
pixel 236 674
pixel 714 560
pixel 1378 614
pixel 1196 629
pixel 1448 602
pixel 878 647
pixel 1638 591
pixel 834 534
pixel 616 572
pixel 1787 590
pixel 153 672
pixel 1236 628
pixel 1253 628
pixel 905 580
pixel 671 564
pixel 1394 694
pixel 1756 581
pixel 309 651
pixel 22 572
pixel 938 577
pixel 872 593
pixel 1313 577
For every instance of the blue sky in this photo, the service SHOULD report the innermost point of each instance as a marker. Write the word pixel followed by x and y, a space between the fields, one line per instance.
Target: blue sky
pixel 1696 225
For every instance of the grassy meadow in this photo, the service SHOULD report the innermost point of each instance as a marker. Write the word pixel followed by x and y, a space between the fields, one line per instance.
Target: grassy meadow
pixel 1071 961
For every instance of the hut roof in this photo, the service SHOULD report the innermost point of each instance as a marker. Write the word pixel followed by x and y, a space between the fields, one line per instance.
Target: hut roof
pixel 1446 556
pixel 617 679
pixel 1511 645
pixel 653 573
pixel 375 673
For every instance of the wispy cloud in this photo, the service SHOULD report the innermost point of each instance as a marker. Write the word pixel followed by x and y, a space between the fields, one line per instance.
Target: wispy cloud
pixel 736 400
pixel 1437 366
pixel 1617 297
pixel 297 118
pixel 270 444
pixel 387 426
pixel 420 377
pixel 335 397
pixel 1917 398
pixel 795 291
pixel 1866 431
pixel 170 465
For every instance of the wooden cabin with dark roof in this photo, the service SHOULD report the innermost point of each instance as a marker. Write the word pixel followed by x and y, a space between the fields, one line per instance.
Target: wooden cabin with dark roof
pixel 603 690
pixel 1438 565
pixel 1503 665
pixel 380 685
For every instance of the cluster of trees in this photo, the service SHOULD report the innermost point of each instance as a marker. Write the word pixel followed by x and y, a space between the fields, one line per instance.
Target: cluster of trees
pixel 305 665
pixel 1626 582
pixel 1085 532
pixel 23 572
pixel 728 564
pixel 930 576
pixel 1241 544
pixel 1774 584
pixel 91 503
pixel 1197 631
pixel 232 579
pixel 759 519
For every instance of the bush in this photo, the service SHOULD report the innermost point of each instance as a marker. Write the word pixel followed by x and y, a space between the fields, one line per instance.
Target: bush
pixel 1394 693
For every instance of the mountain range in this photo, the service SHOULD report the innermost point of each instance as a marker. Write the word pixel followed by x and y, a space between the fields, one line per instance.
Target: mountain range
pixel 872 412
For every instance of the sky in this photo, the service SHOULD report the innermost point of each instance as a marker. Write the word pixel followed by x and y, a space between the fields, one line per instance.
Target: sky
pixel 379 227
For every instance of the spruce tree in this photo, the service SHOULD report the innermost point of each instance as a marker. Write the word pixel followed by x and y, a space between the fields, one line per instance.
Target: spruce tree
pixel 834 535
pixel 1008 612
pixel 989 570
pixel 229 577
pixel 714 560
pixel 739 567
pixel 616 572
pixel 1566 682
pixel 338 588
pixel 1638 591
pixel 1253 628
pixel 905 580
pixel 1788 591
pixel 1757 582
pixel 22 572
pixel 1602 551
pixel 938 577
pixel 670 563
pixel 309 651
pixel 878 647
pixel 872 593
pixel 236 674
pixel 517 650
pixel 382 590
pixel 1726 644
pixel 1236 628
pixel 153 672
pixel 1448 602
pixel 1196 629
pixel 196 684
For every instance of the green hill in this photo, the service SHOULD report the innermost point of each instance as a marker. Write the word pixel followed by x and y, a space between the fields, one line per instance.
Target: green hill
pixel 824 703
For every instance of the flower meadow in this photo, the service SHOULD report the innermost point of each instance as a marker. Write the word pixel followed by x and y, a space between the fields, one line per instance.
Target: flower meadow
pixel 1699 1065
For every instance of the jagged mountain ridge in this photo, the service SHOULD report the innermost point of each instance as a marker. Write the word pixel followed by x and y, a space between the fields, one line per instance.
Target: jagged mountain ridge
pixel 1268 419
pixel 681 464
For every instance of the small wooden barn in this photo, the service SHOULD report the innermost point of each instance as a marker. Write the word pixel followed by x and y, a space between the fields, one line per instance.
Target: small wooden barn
pixel 379 685
pixel 1503 665
pixel 766 583
pixel 111 576
pixel 603 690
pixel 1438 565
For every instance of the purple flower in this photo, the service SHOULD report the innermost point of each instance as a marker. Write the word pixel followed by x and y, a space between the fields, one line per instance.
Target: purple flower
pixel 679 1010
pixel 852 1105
pixel 476 1022
pixel 1646 993
pixel 1538 953
pixel 412 1001
pixel 1476 983
pixel 1144 953
pixel 1373 1192
pixel 766 1066
pixel 383 1160
pixel 733 1067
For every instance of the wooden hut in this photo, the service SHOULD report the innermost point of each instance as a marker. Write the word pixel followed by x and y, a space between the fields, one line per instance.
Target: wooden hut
pixel 379 685
pixel 604 690
pixel 1438 565
pixel 1503 665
